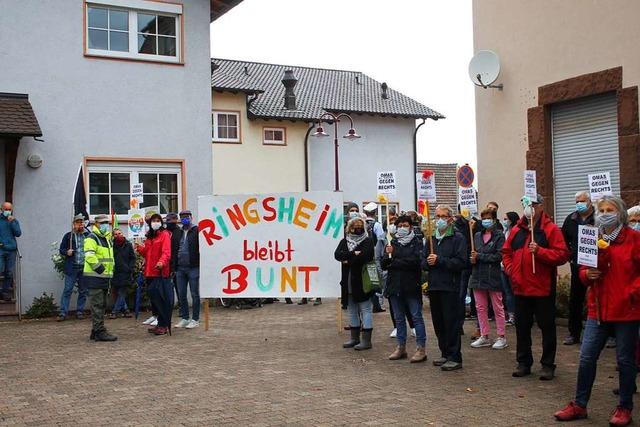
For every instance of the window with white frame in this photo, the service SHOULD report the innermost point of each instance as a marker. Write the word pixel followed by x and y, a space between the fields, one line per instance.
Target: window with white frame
pixel 109 187
pixel 274 136
pixel 225 126
pixel 134 29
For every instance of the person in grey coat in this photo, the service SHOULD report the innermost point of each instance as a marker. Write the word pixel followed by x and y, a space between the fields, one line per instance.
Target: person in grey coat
pixel 486 280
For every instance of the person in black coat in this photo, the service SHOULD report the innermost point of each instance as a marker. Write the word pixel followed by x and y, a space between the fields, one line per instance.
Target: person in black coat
pixel 124 264
pixel 444 266
pixel 404 288
pixel 354 252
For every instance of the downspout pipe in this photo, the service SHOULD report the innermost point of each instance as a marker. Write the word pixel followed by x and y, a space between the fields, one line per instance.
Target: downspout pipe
pixel 306 156
pixel 415 164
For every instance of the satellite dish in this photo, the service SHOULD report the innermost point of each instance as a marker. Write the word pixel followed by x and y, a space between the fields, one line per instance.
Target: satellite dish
pixel 484 69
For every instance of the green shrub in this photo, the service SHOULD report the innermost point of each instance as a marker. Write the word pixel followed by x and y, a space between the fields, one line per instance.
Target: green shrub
pixel 42 307
pixel 563 289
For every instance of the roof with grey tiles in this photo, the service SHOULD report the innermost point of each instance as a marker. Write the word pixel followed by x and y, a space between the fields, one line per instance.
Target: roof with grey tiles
pixel 317 91
pixel 17 118
pixel 446 183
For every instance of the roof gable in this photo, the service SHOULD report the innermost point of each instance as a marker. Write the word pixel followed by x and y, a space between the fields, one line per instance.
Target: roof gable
pixel 17 118
pixel 318 90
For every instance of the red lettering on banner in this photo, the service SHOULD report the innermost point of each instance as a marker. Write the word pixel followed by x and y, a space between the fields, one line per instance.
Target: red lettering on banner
pixel 307 270
pixel 236 217
pixel 240 280
pixel 269 208
pixel 271 252
pixel 208 229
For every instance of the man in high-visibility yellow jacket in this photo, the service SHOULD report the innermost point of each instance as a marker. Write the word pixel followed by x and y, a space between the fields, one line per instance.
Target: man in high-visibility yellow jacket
pixel 98 271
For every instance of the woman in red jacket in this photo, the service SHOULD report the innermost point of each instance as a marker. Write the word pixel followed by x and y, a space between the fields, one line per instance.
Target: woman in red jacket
pixel 157 254
pixel 613 306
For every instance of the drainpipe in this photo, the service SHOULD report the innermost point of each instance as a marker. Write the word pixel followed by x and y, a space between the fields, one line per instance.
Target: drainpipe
pixel 415 163
pixel 306 156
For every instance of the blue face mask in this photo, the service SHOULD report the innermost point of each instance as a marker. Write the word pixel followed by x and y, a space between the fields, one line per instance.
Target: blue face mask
pixel 353 215
pixel 104 228
pixel 582 207
pixel 506 224
pixel 185 221
pixel 636 226
pixel 6 213
pixel 402 232
pixel 442 224
pixel 488 223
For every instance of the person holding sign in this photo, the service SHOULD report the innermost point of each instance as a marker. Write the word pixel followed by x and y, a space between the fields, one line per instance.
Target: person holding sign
pixel 583 215
pixel 404 288
pixel 354 252
pixel 535 292
pixel 613 304
pixel 444 266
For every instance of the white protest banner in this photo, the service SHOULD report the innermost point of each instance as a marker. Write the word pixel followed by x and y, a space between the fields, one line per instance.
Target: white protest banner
pixel 426 186
pixel 530 189
pixel 136 193
pixel 599 185
pixel 386 183
pixel 588 246
pixel 468 200
pixel 136 223
pixel 270 245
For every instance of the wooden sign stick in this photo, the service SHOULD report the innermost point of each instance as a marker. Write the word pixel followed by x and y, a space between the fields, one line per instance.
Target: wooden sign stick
pixel 473 249
pixel 429 231
pixel 206 314
pixel 339 306
pixel 533 240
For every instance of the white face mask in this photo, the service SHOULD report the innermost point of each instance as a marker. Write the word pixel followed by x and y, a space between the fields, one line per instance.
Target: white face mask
pixel 528 211
pixel 156 225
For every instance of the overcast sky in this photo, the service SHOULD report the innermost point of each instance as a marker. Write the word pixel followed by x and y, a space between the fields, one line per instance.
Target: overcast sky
pixel 420 48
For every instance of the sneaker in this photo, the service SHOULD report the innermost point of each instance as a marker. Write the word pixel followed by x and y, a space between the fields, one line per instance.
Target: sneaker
pixel 621 417
pixel 318 301
pixel 192 324
pixel 570 340
pixel 128 314
pixel 547 373
pixel 154 323
pixel 451 366
pixel 303 301
pixel 501 342
pixel 112 316
pixel 510 321
pixel 481 342
pixel 61 318
pixel 521 371
pixel 440 361
pixel 413 332
pixel 611 342
pixel 571 412
pixel 150 320
pixel 161 331
pixel 103 335
pixel 182 323
pixel 393 333
pixel 152 329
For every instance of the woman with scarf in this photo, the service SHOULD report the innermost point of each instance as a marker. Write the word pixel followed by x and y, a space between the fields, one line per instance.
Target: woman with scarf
pixel 124 264
pixel 354 251
pixel 613 305
pixel 404 289
pixel 157 253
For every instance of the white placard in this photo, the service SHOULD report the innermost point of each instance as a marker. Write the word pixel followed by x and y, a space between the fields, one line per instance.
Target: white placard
pixel 588 246
pixel 270 245
pixel 530 189
pixel 386 183
pixel 136 193
pixel 136 223
pixel 599 185
pixel 426 187
pixel 468 199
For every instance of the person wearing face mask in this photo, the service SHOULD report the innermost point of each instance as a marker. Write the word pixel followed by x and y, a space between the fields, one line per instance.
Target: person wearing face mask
pixel 125 261
pixel 583 215
pixel 404 287
pixel 156 251
pixel 173 225
pixel 72 248
pixel 486 281
pixel 613 305
pixel 634 218
pixel 185 264
pixel 444 266
pixel 98 272
pixel 353 252
pixel 510 221
pixel 9 230
pixel 535 293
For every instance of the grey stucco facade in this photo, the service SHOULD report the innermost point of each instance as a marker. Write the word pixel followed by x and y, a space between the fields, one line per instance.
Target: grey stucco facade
pixel 92 107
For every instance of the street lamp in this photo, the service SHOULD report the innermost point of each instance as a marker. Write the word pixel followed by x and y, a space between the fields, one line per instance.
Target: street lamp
pixel 320 133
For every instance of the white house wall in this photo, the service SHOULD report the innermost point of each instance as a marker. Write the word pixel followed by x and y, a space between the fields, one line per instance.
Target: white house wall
pixel 96 108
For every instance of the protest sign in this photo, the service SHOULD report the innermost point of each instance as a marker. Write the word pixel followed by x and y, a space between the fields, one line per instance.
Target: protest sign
pixel 599 185
pixel 136 193
pixel 530 189
pixel 270 245
pixel 588 246
pixel 136 223
pixel 468 200
pixel 386 183
pixel 426 187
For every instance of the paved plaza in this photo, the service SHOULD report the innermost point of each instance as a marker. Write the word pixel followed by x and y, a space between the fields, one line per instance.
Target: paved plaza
pixel 279 365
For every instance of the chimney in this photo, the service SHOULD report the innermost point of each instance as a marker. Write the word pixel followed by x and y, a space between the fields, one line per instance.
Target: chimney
pixel 289 81
pixel 385 95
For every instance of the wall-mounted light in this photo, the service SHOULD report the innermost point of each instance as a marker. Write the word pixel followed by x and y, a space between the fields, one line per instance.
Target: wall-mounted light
pixel 34 161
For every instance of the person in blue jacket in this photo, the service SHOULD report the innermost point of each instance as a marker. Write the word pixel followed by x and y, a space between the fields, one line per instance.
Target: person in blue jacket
pixel 72 247
pixel 9 230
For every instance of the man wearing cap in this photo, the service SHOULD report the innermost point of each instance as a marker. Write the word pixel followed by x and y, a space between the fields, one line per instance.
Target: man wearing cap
pixel 9 230
pixel 375 230
pixel 72 248
pixel 185 264
pixel 535 292
pixel 98 271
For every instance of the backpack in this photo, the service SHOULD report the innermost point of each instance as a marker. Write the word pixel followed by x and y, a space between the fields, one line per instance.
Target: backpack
pixel 370 232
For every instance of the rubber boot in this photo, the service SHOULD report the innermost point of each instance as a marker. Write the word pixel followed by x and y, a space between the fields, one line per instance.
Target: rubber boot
pixel 400 353
pixel 355 337
pixel 365 342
